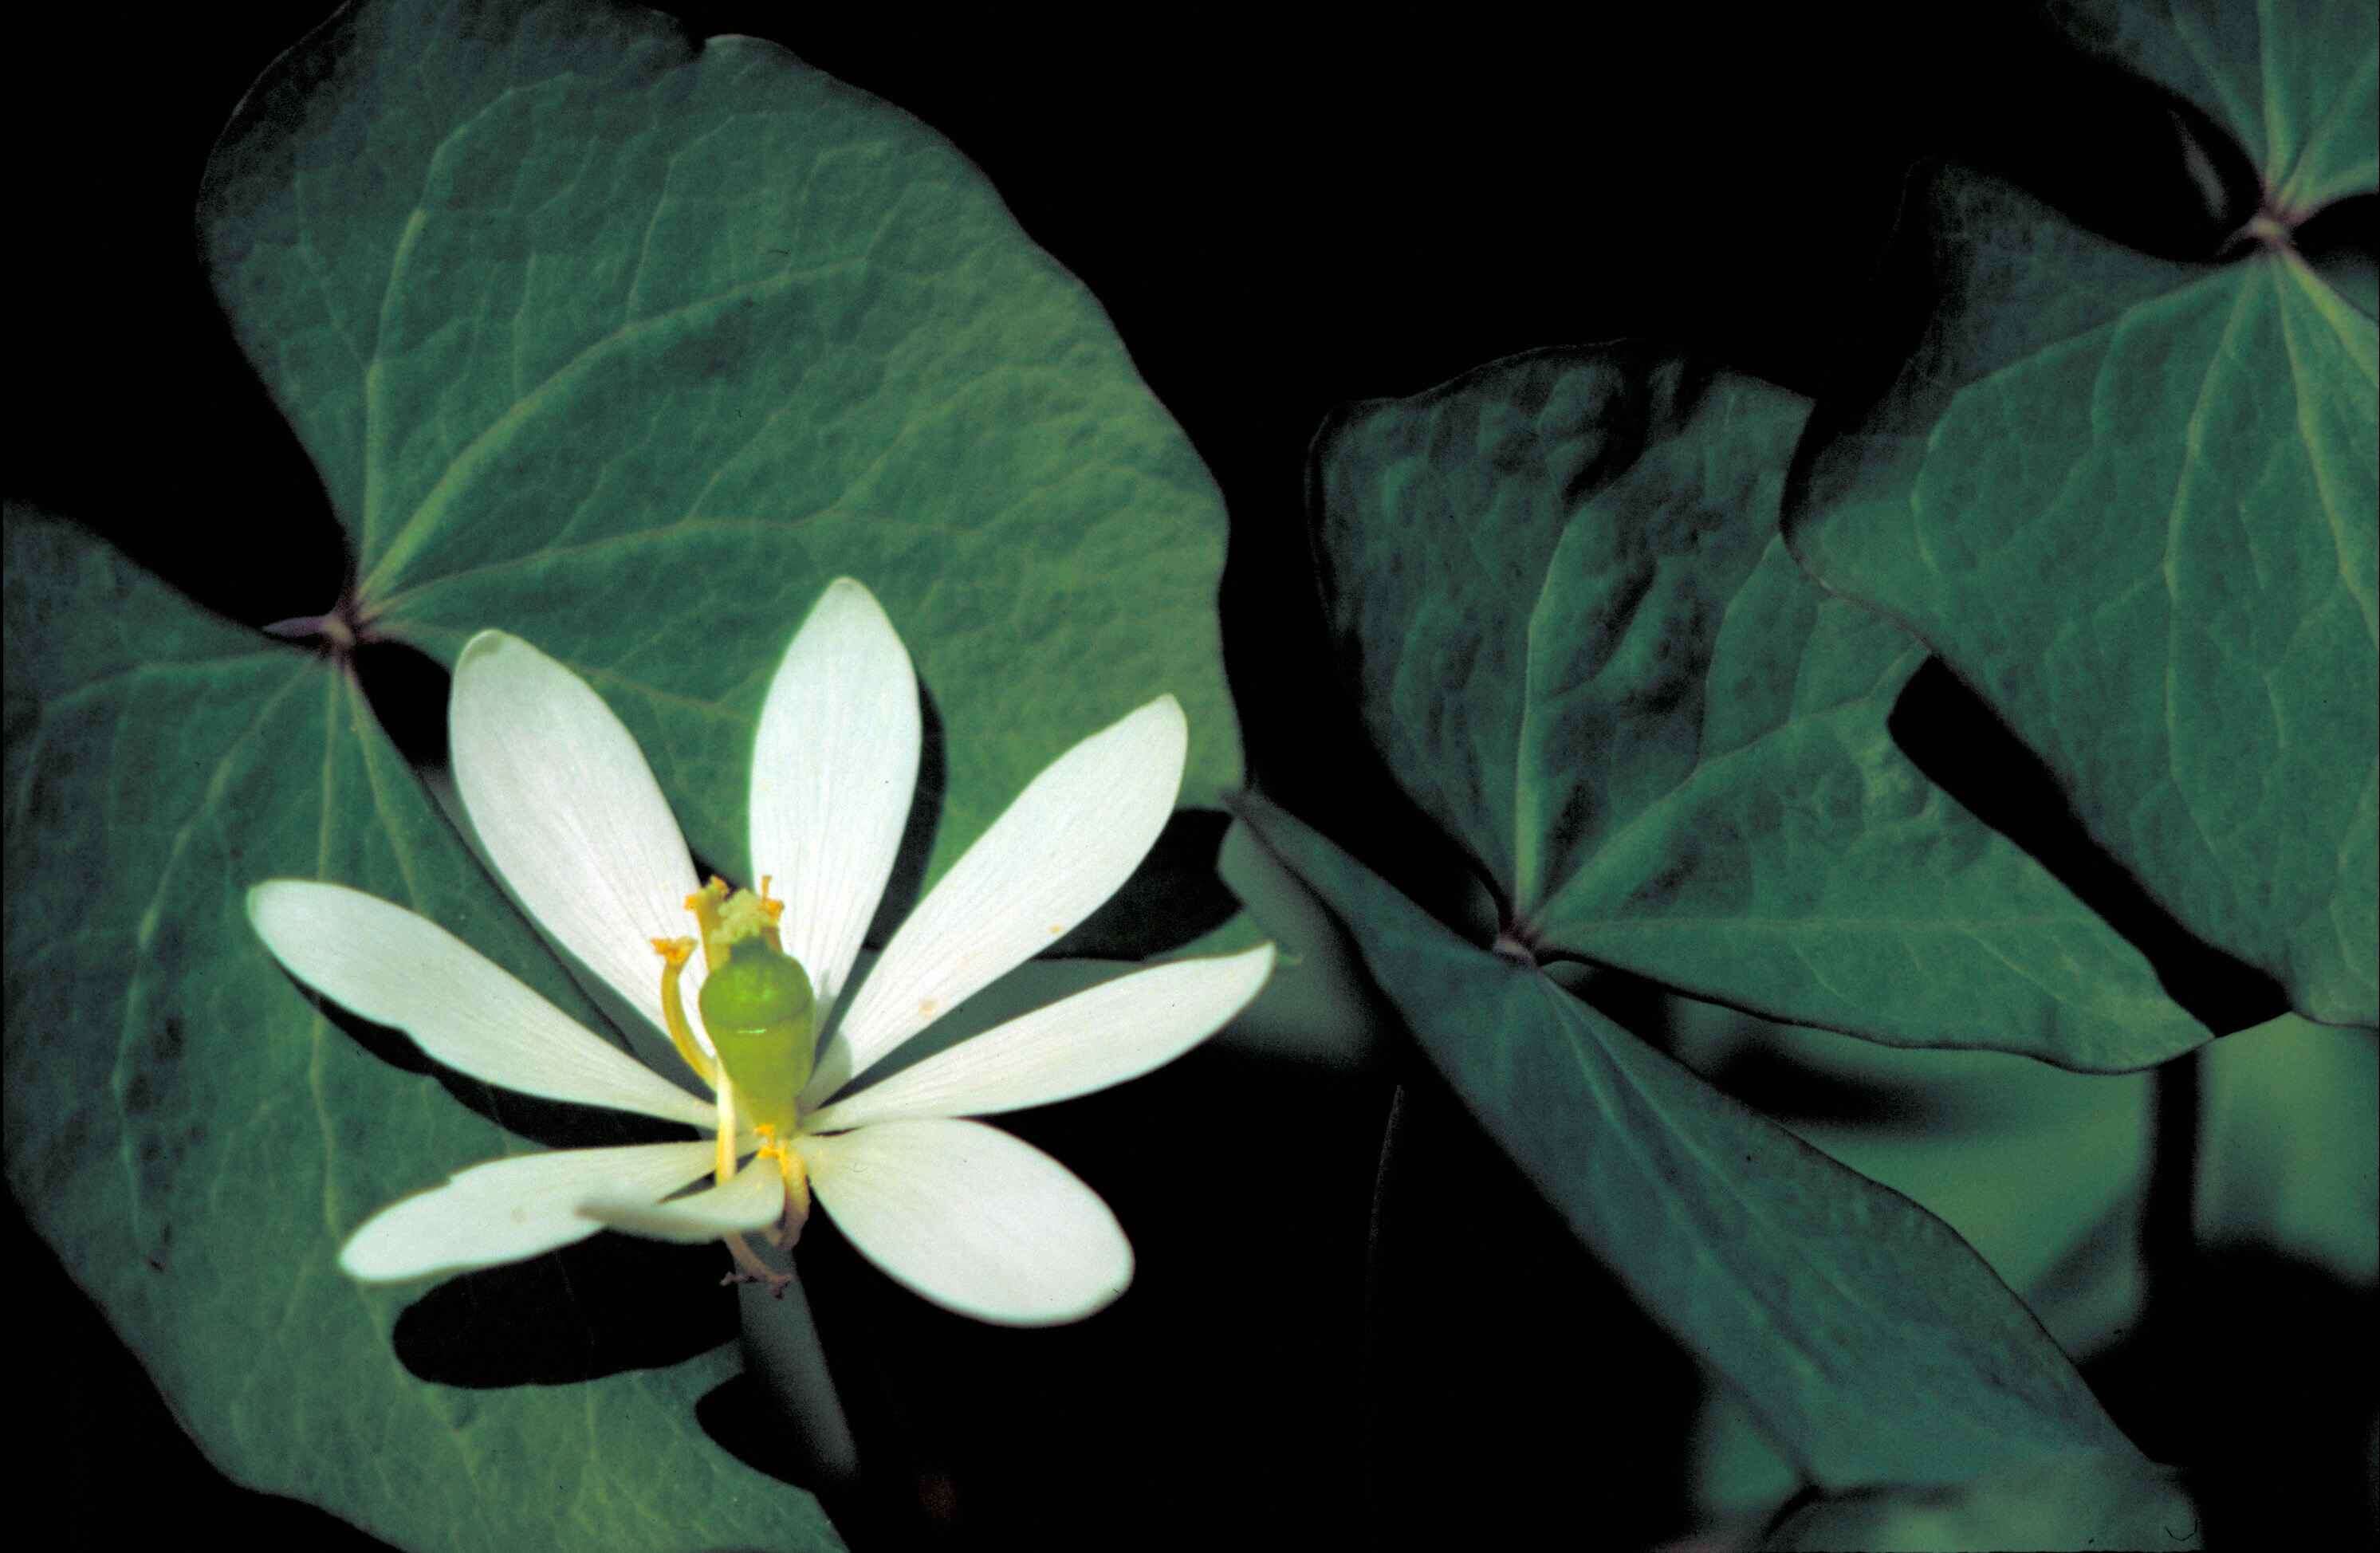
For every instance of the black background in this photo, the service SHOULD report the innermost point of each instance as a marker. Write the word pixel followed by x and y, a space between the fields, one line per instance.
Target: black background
pixel 1279 218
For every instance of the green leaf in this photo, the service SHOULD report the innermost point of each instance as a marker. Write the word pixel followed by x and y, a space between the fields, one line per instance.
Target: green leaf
pixel 2072 1504
pixel 196 1139
pixel 2132 502
pixel 1737 1474
pixel 1315 1006
pixel 2042 1171
pixel 2289 1146
pixel 1865 1336
pixel 2293 81
pixel 1583 649
pixel 629 343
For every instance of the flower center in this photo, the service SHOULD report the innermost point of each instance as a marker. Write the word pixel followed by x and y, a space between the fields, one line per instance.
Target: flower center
pixel 758 1013
pixel 759 1033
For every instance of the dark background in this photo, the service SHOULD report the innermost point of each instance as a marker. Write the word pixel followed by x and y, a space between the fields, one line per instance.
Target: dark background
pixel 1279 219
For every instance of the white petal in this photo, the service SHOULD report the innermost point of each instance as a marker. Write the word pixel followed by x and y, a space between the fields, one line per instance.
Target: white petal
pixel 752 1199
pixel 1117 1030
pixel 972 1219
pixel 833 769
pixel 396 968
pixel 1071 838
pixel 507 1209
pixel 570 815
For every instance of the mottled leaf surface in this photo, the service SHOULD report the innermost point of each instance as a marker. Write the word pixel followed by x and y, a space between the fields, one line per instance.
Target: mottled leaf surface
pixel 2132 502
pixel 1580 643
pixel 628 344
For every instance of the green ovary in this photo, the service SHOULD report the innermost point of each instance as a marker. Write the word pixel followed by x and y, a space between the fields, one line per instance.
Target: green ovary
pixel 762 1019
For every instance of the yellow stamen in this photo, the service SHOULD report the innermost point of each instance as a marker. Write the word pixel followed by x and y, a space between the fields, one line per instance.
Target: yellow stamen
pixel 798 1196
pixel 797 1183
pixel 724 1170
pixel 788 1228
pixel 674 953
pixel 725 918
pixel 705 902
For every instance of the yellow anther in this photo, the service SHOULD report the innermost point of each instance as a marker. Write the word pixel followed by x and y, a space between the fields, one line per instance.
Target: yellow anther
pixel 728 918
pixel 788 1227
pixel 731 916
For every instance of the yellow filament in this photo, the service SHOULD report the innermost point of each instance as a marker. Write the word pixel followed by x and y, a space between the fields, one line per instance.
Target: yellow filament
pixel 775 910
pixel 797 1194
pixel 788 1228
pixel 704 904
pixel 724 1171
pixel 674 953
pixel 797 1182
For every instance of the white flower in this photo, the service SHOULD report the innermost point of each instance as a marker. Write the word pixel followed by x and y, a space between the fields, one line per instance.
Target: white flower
pixel 569 813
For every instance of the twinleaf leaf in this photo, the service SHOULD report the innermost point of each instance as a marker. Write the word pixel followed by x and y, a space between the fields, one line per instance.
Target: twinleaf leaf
pixel 197 1139
pixel 2292 80
pixel 1868 1338
pixel 2132 502
pixel 2041 1170
pixel 628 344
pixel 2289 1146
pixel 1584 652
pixel 2074 1504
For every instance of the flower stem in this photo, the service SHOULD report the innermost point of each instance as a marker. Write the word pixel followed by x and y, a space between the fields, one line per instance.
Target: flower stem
pixel 781 1352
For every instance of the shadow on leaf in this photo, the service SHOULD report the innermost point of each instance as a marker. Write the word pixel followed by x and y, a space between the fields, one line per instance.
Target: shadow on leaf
pixel 1172 897
pixel 609 1304
pixel 555 1123
pixel 1951 735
